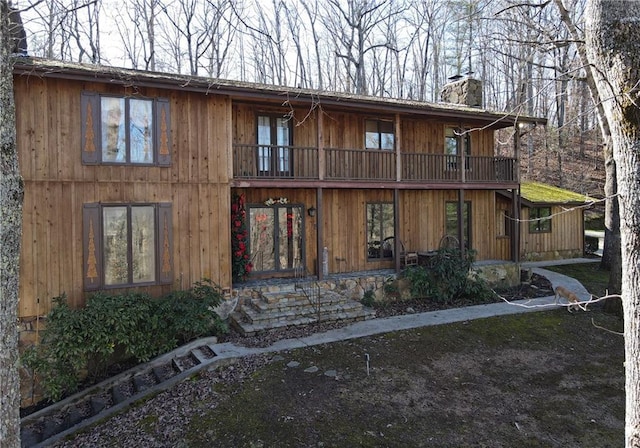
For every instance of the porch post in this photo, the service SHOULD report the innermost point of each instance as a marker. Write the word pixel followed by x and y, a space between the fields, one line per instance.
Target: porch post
pixel 397 247
pixel 515 198
pixel 461 209
pixel 319 234
pixel 398 145
pixel 320 144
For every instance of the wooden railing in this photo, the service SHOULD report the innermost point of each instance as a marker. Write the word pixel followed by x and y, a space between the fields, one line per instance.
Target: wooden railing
pixel 350 164
pixel 289 162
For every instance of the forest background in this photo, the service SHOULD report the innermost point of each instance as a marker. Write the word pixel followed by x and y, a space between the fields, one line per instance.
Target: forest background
pixel 408 49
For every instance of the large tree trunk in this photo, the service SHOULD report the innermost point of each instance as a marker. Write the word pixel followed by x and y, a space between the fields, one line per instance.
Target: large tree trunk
pixel 611 254
pixel 11 193
pixel 612 36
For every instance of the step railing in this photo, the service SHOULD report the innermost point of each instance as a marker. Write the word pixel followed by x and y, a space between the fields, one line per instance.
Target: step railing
pixel 310 288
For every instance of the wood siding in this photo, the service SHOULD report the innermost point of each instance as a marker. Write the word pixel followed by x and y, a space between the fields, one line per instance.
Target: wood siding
pixel 57 185
pixel 422 223
pixel 566 239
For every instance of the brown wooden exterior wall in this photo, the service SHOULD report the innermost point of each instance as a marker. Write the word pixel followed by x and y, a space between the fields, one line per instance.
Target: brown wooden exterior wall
pixel 566 239
pixel 197 184
pixel 57 185
pixel 422 222
pixel 346 130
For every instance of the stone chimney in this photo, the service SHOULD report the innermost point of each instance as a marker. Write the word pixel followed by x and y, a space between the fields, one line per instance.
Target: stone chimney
pixel 17 33
pixel 466 91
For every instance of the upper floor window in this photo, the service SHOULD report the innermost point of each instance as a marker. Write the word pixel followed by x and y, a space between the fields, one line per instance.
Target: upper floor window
pixel 540 220
pixel 456 142
pixel 127 245
pixel 274 141
pixel 379 134
pixel 125 130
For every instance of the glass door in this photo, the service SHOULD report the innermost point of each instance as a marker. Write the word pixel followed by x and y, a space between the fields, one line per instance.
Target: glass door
pixel 277 237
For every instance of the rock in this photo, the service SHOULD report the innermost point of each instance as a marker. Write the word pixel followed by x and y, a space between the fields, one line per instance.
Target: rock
pixel 293 364
pixel 312 369
pixel 331 373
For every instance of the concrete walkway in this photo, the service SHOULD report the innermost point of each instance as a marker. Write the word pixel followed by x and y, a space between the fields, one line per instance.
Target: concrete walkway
pixel 227 352
pixel 409 321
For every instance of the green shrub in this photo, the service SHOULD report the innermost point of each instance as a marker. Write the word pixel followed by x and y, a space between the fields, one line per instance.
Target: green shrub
pixel 84 342
pixel 447 278
pixel 368 298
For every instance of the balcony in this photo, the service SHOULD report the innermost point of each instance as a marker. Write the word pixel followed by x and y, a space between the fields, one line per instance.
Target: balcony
pixel 260 162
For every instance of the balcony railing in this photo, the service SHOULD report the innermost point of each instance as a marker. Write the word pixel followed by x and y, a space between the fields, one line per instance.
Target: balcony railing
pixel 289 162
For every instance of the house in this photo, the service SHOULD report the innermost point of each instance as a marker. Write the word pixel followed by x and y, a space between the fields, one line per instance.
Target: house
pixel 552 222
pixel 154 181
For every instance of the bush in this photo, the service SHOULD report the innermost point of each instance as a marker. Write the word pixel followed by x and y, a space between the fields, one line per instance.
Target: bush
pixel 447 279
pixel 84 342
pixel 368 298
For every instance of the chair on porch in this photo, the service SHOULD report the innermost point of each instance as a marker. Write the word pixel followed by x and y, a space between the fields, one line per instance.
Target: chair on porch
pixel 407 258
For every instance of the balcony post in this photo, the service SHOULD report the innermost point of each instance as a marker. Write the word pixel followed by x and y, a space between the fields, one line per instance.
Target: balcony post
pixel 398 145
pixel 321 155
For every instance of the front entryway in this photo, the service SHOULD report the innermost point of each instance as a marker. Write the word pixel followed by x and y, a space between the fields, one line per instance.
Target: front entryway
pixel 276 238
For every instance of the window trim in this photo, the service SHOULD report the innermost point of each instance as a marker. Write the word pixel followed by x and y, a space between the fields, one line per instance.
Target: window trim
pixel 378 122
pixel 273 147
pixel 537 223
pixel 368 243
pixel 91 130
pixel 469 209
pixel 94 250
pixel 453 158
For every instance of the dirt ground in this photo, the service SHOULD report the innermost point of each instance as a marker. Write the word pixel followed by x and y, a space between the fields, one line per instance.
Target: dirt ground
pixel 546 379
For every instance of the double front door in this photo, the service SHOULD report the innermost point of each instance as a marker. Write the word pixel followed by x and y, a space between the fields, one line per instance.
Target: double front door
pixel 277 237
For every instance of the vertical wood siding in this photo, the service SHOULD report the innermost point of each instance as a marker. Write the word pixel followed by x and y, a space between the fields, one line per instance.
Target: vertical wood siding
pixel 565 240
pixel 57 185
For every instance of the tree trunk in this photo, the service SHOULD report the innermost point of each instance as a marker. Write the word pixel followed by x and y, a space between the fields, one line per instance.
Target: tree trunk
pixel 611 259
pixel 611 254
pixel 11 194
pixel 612 35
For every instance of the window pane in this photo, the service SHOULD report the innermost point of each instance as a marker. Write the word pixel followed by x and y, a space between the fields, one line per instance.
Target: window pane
pixel 116 262
pixel 380 230
pixel 264 138
pixel 387 141
pixel 262 247
pixel 140 129
pixel 143 242
pixel 372 135
pixel 114 147
pixel 282 125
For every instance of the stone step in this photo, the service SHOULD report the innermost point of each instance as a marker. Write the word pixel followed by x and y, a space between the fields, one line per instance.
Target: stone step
pixel 301 302
pixel 253 315
pixel 248 329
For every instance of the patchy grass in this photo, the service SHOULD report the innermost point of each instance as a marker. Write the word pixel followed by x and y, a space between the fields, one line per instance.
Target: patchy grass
pixel 547 379
pixel 589 274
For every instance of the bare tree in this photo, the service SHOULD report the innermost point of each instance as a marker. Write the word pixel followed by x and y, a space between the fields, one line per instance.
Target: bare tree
pixel 611 257
pixel 139 16
pixel 356 30
pixel 611 35
pixel 11 197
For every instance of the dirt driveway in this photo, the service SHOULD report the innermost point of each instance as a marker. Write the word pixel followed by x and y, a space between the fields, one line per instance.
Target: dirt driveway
pixel 547 379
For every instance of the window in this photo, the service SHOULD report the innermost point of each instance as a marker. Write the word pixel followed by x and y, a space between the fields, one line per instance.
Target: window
pixel 379 135
pixel 451 221
pixel 274 139
pixel 380 231
pixel 125 130
pixel 127 245
pixel 452 141
pixel 540 220
pixel 503 223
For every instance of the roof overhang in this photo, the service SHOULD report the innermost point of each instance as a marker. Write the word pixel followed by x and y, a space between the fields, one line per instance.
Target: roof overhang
pixel 282 95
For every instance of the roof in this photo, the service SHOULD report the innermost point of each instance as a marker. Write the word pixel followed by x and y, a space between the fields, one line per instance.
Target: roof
pixel 536 193
pixel 29 66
